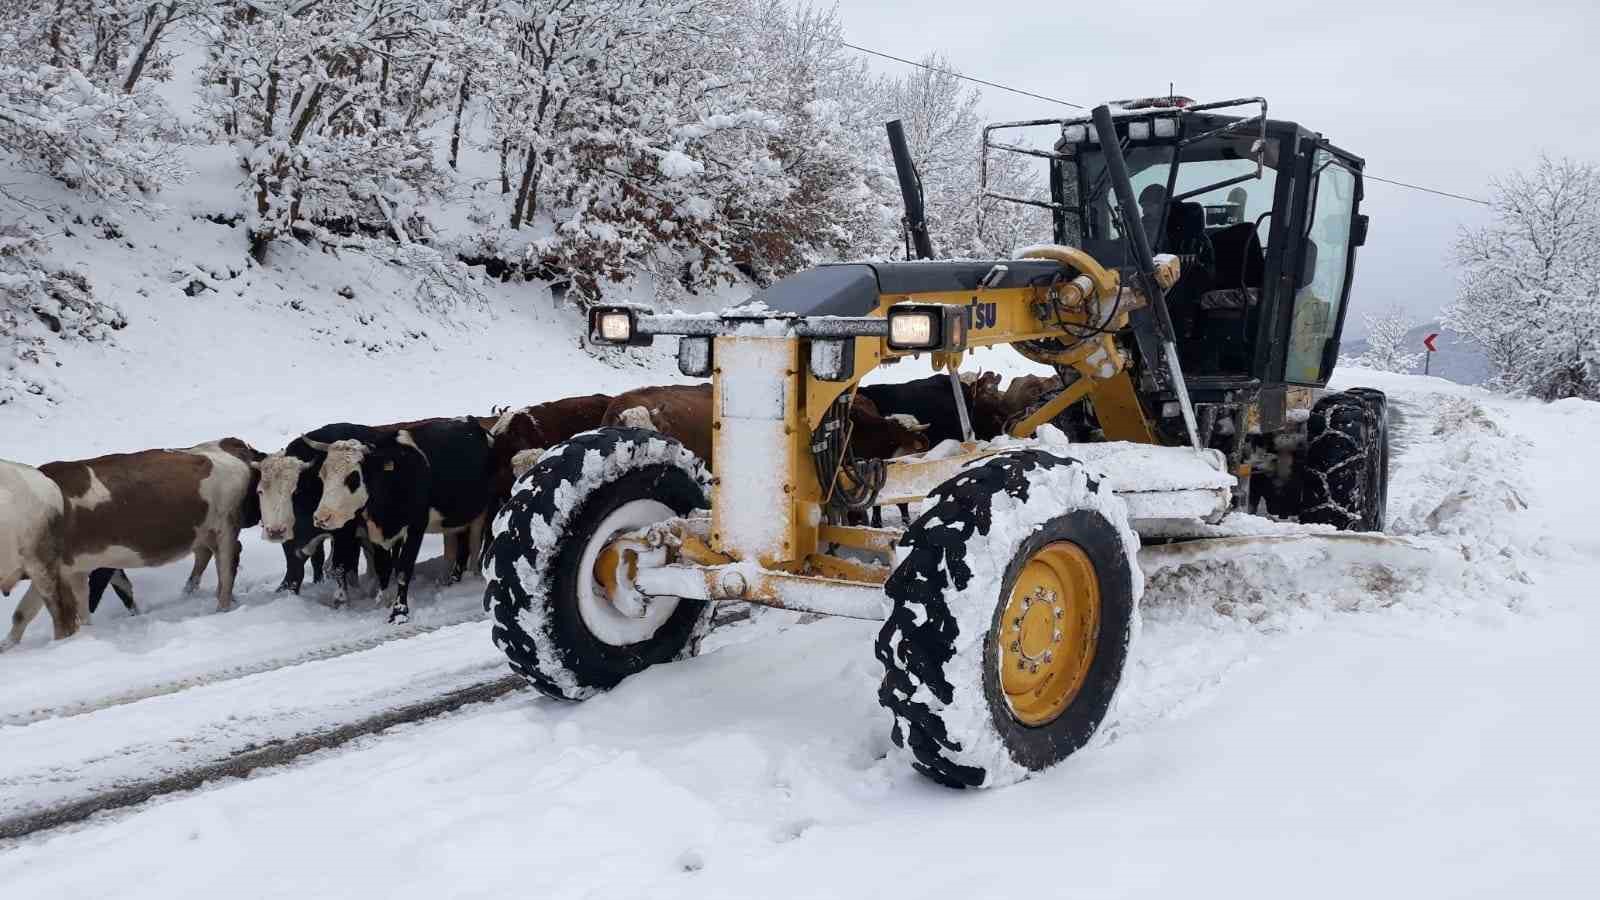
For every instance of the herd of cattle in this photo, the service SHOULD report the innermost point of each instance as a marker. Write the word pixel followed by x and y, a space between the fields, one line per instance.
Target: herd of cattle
pixel 71 528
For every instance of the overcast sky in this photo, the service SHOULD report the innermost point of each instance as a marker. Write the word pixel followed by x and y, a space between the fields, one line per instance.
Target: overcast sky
pixel 1446 93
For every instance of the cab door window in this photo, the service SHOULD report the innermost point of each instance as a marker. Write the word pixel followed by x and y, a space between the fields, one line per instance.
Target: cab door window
pixel 1324 269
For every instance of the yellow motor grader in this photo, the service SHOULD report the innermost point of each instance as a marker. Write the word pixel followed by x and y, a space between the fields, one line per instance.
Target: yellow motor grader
pixel 1191 305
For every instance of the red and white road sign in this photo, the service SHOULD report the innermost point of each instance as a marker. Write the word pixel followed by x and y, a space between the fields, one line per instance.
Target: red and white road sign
pixel 1428 342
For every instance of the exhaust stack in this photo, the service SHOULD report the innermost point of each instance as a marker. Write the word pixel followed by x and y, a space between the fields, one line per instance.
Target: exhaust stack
pixel 910 191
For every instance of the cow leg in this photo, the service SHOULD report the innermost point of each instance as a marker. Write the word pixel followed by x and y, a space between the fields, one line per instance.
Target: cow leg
pixel 382 568
pixel 117 580
pixel 124 589
pixel 27 608
pixel 318 557
pixel 342 564
pixel 475 533
pixel 294 569
pixel 877 517
pixel 371 554
pixel 73 593
pixel 46 592
pixel 453 558
pixel 99 580
pixel 905 512
pixel 227 554
pixel 202 558
pixel 405 564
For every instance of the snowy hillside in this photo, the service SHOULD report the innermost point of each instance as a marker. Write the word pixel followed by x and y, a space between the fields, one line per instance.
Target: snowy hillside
pixel 1296 723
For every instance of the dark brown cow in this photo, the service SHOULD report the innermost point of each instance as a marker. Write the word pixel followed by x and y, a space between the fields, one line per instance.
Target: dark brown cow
pixel 535 428
pixel 876 436
pixel 136 510
pixel 683 412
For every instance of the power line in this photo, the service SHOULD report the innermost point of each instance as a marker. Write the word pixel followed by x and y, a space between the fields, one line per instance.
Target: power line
pixel 1003 87
pixel 953 74
pixel 1418 187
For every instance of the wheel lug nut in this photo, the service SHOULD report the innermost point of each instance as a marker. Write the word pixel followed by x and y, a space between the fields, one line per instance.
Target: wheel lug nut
pixel 1016 646
pixel 1048 656
pixel 1055 638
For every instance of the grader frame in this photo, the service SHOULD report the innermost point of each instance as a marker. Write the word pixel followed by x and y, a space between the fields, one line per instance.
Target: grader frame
pixel 766 539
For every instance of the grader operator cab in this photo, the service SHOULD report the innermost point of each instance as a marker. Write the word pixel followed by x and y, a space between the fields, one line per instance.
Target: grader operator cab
pixel 1191 334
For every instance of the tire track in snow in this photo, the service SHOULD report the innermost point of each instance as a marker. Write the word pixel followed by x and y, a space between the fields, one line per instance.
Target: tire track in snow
pixel 233 673
pixel 727 614
pixel 276 753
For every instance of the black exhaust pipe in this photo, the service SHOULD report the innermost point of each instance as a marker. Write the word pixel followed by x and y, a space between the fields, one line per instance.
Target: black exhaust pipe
pixel 910 191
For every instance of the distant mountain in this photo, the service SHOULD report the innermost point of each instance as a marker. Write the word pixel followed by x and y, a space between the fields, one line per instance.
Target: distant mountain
pixel 1456 360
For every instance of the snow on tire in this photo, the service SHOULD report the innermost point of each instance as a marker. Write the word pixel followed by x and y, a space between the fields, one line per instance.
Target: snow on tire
pixel 955 621
pixel 539 565
pixel 1344 474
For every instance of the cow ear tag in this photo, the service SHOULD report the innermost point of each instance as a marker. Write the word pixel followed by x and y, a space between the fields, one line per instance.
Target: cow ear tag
pixel 388 466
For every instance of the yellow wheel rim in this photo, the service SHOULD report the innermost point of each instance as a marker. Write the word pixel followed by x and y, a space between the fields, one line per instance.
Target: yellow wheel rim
pixel 1047 632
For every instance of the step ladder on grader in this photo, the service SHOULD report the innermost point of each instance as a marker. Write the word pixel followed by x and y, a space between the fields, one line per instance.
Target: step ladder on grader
pixel 1191 303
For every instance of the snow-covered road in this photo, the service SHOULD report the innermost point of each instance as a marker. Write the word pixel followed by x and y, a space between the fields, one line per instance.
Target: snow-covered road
pixel 1292 725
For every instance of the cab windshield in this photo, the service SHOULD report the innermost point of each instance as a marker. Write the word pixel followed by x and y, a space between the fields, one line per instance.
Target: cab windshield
pixel 1215 217
pixel 1211 162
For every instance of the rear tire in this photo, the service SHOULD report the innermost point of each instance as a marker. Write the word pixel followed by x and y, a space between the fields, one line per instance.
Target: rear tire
pixel 996 550
pixel 547 618
pixel 1344 475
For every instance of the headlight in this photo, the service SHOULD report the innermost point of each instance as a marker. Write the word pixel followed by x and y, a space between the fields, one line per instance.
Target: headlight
pixel 1075 134
pixel 913 329
pixel 1138 131
pixel 1166 128
pixel 616 327
pixel 928 326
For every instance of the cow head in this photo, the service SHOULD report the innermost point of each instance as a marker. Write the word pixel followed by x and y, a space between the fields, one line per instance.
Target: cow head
pixel 344 488
pixel 278 474
pixel 881 437
pixel 986 403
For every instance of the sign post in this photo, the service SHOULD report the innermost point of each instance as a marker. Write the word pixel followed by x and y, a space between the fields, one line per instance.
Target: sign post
pixel 1428 342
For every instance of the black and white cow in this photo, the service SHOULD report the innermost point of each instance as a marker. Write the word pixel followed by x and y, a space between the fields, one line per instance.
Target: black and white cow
pixel 433 478
pixel 289 490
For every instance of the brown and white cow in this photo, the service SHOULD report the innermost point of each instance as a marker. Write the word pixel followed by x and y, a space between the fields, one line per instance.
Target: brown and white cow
pixel 683 412
pixel 31 531
pixel 136 510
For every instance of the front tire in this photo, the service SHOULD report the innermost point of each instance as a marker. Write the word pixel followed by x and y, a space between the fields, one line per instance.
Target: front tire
pixel 551 616
pixel 1014 606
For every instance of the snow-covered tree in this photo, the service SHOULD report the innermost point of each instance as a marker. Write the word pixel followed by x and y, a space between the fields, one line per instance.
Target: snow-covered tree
pixel 831 199
pixel 64 109
pixel 325 102
pixel 1529 291
pixel 944 130
pixel 40 301
pixel 1389 347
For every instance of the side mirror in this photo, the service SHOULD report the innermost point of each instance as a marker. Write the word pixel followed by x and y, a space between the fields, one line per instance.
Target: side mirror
pixel 1358 231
